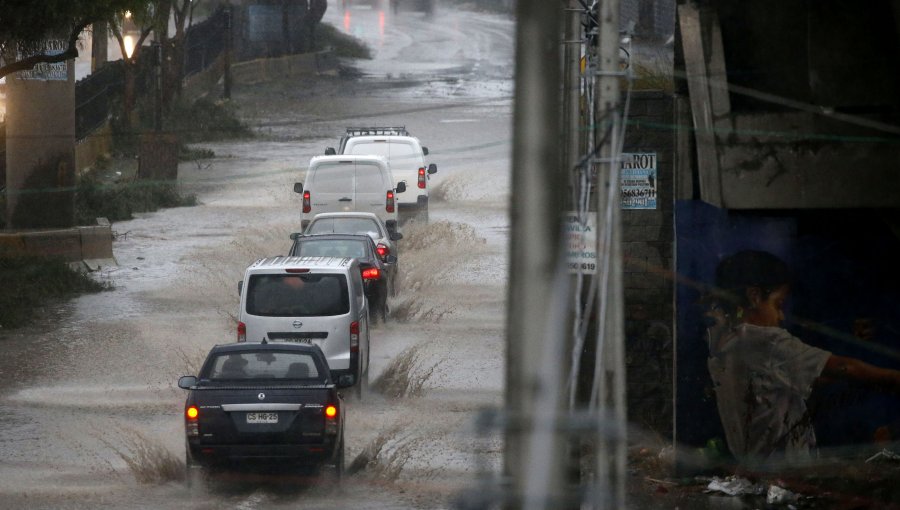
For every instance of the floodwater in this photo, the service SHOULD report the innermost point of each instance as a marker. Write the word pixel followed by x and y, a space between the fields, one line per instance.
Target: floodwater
pixel 89 412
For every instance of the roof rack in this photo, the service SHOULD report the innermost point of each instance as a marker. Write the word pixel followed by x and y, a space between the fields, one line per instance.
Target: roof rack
pixel 378 130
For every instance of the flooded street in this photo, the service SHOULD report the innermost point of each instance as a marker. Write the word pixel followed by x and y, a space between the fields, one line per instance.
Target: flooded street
pixel 89 412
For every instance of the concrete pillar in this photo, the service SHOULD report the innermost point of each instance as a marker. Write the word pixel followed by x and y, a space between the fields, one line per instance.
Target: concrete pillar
pixel 40 147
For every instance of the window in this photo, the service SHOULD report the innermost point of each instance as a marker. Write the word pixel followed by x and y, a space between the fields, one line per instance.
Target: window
pixel 263 365
pixel 330 248
pixel 333 178
pixel 297 295
pixel 368 179
pixel 345 226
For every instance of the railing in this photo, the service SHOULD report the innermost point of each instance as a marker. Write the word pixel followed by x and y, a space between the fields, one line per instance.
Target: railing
pixel 204 42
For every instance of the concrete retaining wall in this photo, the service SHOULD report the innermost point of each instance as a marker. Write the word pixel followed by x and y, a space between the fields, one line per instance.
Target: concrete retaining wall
pixel 92 147
pixel 265 69
pixel 90 246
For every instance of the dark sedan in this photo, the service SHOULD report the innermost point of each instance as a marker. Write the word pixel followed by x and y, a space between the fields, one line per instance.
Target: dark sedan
pixel 265 403
pixel 377 273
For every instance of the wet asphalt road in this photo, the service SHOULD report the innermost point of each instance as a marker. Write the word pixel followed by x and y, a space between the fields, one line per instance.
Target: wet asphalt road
pixel 89 414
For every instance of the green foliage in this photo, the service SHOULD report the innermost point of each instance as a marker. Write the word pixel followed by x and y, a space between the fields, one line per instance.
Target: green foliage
pixel 95 198
pixel 29 283
pixel 26 23
pixel 205 120
pixel 343 45
pixel 654 75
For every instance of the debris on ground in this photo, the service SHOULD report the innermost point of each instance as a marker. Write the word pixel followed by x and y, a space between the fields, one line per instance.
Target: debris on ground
pixel 735 486
pixel 780 496
pixel 884 455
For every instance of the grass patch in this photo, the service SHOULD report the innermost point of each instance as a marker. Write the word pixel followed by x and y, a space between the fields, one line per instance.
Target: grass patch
pixel 29 283
pixel 343 45
pixel 118 201
pixel 186 153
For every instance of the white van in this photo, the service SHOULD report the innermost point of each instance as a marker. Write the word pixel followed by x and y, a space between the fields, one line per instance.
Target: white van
pixel 311 300
pixel 406 156
pixel 350 183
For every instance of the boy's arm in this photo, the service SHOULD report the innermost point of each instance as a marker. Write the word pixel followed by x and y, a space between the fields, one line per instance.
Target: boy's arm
pixel 852 369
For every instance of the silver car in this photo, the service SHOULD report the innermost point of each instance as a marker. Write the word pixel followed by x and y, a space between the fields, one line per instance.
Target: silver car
pixel 360 223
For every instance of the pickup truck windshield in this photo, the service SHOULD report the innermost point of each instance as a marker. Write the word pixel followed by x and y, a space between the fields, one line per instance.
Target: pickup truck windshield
pixel 262 365
pixel 297 295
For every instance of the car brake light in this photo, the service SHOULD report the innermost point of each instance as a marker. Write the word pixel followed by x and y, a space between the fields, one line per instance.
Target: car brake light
pixel 389 202
pixel 354 337
pixel 383 251
pixel 296 270
pixel 192 413
pixel 422 178
pixel 371 273
pixel 242 332
pixel 307 204
pixel 331 412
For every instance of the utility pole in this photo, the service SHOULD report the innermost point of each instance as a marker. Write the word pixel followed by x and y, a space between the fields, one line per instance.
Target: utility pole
pixel 608 392
pixel 534 450
pixel 229 22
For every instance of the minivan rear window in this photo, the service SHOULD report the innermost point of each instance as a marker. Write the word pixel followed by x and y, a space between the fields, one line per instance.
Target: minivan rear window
pixel 297 295
pixel 333 178
pixel 368 179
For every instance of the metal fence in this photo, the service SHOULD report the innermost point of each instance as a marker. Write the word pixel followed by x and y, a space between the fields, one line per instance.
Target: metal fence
pixel 204 42
pixel 93 98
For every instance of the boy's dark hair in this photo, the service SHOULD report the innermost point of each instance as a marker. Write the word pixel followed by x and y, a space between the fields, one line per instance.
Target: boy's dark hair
pixel 745 269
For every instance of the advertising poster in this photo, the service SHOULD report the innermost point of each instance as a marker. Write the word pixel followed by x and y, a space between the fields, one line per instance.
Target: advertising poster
pixel 48 72
pixel 638 179
pixel 581 243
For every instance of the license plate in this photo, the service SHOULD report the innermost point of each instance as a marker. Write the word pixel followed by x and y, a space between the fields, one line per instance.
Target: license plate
pixel 262 417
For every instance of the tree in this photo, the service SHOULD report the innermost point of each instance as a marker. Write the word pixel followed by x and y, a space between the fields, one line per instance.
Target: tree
pixel 25 26
pixel 143 18
pixel 183 15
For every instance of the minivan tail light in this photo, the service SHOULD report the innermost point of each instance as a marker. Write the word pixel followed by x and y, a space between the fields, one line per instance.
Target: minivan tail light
pixel 389 202
pixel 383 251
pixel 354 337
pixel 192 413
pixel 371 273
pixel 307 204
pixel 422 178
pixel 241 332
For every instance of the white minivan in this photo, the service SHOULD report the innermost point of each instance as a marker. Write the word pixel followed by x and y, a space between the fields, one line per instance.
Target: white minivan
pixel 350 183
pixel 310 300
pixel 406 156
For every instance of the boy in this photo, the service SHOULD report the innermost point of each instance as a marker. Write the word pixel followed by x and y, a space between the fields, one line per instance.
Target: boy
pixel 761 373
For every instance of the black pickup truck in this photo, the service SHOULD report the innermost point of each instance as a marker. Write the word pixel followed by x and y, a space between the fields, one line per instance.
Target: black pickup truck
pixel 264 403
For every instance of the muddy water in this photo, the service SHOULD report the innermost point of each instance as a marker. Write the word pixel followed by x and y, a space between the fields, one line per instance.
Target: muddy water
pixel 89 414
